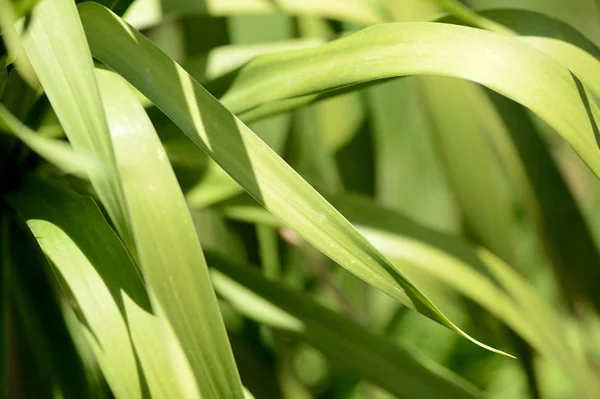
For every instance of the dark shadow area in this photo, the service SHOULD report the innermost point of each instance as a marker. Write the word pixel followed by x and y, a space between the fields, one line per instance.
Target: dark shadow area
pixel 39 200
pixel 81 220
pixel 37 304
pixel 586 103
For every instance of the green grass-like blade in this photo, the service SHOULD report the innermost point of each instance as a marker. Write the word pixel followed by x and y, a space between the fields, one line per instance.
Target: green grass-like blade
pixel 167 246
pixel 137 200
pixel 243 155
pixel 38 308
pixel 56 46
pixel 554 37
pixel 94 269
pixel 502 63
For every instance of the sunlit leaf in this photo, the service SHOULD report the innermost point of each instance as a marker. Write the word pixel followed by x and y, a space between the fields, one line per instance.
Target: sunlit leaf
pixel 244 156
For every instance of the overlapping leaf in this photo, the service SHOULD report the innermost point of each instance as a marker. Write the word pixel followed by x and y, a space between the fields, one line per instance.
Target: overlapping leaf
pixel 243 155
pixel 138 188
pixel 504 64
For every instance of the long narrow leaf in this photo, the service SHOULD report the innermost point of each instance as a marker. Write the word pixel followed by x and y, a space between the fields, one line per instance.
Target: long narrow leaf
pixel 502 63
pixel 58 51
pixel 191 321
pixel 94 269
pixel 244 156
pixel 169 252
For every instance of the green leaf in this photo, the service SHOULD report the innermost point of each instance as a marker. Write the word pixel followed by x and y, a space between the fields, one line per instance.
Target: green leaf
pixel 57 152
pixel 56 46
pixel 138 188
pixel 94 270
pixel 243 155
pixel 38 308
pixel 168 249
pixel 502 63
pixel 556 38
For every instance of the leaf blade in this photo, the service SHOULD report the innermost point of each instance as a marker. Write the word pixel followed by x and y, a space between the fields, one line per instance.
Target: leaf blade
pixel 244 156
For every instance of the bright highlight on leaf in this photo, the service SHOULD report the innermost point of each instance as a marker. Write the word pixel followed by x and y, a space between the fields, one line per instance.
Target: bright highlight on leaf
pixel 246 157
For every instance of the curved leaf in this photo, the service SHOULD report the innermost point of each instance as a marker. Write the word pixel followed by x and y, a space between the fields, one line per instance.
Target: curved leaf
pixel 552 36
pixel 168 249
pixel 502 63
pixel 243 155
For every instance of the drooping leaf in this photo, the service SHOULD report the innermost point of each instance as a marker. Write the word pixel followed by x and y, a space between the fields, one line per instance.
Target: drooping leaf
pixel 556 38
pixel 502 63
pixel 244 156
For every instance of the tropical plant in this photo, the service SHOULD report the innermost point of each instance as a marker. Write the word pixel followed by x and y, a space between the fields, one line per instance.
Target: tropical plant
pixel 299 199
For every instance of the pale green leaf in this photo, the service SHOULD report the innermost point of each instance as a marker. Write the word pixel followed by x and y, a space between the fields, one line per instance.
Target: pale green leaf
pixel 138 189
pixel 169 252
pixel 94 269
pixel 243 155
pixel 56 46
pixel 503 63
